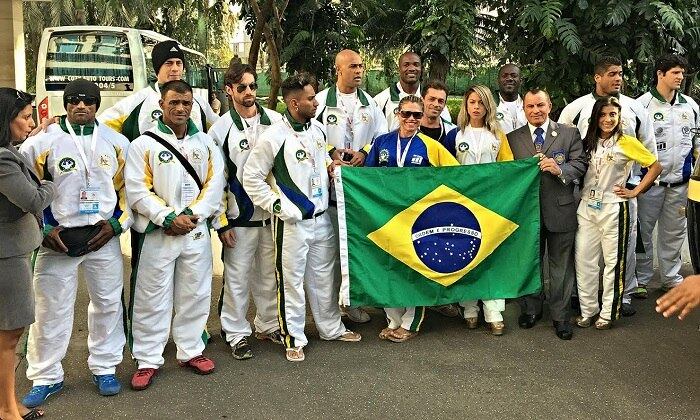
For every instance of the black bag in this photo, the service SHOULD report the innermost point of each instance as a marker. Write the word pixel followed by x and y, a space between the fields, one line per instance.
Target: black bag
pixel 76 239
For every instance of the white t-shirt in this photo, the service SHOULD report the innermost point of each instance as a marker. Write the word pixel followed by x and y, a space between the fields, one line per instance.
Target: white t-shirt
pixel 347 103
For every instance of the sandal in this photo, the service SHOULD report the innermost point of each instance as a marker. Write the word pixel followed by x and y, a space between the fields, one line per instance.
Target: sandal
pixel 400 335
pixel 33 414
pixel 603 324
pixel 385 333
pixel 295 354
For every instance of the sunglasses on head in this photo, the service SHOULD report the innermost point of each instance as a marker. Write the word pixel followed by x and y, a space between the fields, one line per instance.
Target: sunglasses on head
pixel 415 114
pixel 241 87
pixel 86 99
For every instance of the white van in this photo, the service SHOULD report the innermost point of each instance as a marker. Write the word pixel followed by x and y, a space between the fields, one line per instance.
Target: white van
pixel 118 60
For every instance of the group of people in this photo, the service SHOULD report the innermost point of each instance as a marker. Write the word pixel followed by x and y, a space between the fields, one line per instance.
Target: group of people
pixel 165 166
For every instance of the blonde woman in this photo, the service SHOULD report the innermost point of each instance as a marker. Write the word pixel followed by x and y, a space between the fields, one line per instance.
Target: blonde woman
pixel 479 139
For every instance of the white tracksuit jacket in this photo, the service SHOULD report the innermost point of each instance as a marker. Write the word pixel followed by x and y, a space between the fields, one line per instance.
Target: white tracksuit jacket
pixel 388 101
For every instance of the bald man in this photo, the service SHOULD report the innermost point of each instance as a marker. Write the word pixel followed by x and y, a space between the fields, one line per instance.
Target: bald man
pixel 410 72
pixel 352 121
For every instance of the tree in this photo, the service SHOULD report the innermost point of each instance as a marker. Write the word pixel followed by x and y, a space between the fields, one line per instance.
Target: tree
pixel 557 42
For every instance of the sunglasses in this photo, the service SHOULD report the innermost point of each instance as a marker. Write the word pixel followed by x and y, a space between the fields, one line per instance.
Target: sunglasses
pixel 86 99
pixel 241 87
pixel 415 114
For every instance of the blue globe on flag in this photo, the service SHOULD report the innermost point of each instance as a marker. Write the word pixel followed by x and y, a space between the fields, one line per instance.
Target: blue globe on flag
pixel 446 237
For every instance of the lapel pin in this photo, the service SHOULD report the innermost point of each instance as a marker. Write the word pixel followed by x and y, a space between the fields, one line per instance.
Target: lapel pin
pixel 554 133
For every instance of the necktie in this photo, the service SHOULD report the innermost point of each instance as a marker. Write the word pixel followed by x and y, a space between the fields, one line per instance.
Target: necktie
pixel 539 139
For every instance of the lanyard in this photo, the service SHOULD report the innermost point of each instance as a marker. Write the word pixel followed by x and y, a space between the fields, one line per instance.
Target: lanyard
pixel 81 151
pixel 251 135
pixel 605 146
pixel 477 144
pixel 307 134
pixel 401 157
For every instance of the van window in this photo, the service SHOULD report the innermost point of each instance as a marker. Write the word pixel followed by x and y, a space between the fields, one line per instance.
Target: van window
pixel 195 73
pixel 101 57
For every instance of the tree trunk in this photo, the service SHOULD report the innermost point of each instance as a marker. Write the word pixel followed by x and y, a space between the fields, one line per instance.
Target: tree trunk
pixel 261 18
pixel 275 68
pixel 439 67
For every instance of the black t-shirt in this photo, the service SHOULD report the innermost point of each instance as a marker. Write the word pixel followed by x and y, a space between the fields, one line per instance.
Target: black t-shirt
pixel 434 133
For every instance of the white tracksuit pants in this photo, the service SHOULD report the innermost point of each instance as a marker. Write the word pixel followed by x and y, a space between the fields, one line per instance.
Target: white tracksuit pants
pixel 304 258
pixel 55 288
pixel 410 318
pixel 662 205
pixel 492 309
pixel 172 272
pixel 631 268
pixel 249 267
pixel 603 232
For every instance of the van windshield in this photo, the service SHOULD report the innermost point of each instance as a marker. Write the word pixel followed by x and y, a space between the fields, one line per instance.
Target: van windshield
pixel 101 57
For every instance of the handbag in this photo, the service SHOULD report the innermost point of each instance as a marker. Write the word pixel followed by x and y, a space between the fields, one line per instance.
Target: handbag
pixel 76 239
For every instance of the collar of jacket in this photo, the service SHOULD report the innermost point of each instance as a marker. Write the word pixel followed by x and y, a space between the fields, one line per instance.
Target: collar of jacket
pixel 332 97
pixel 677 97
pixel 191 128
pixel 87 129
pixel 297 126
pixel 238 121
pixel 596 96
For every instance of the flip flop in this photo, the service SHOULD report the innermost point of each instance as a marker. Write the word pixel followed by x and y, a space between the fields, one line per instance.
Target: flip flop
pixel 401 337
pixel 33 414
pixel 385 333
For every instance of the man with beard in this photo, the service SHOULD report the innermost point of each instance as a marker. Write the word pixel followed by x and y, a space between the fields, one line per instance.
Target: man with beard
pixel 509 110
pixel 286 174
pixel 244 229
pixel 410 72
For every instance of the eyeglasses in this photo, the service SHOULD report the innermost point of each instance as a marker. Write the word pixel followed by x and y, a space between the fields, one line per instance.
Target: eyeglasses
pixel 86 99
pixel 241 87
pixel 415 114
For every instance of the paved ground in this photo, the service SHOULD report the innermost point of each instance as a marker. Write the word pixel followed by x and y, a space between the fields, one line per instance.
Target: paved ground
pixel 646 367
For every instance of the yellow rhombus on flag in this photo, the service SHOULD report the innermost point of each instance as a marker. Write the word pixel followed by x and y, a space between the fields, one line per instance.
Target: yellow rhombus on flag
pixel 444 235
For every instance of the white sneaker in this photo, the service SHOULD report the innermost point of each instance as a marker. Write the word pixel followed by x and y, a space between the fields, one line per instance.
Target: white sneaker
pixel 356 315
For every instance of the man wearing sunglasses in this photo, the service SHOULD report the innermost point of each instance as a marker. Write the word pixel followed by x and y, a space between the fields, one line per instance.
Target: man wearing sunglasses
pixel 244 229
pixel 352 121
pixel 135 114
pixel 86 162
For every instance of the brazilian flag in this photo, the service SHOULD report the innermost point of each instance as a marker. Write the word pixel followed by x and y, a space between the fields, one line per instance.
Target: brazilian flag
pixel 432 236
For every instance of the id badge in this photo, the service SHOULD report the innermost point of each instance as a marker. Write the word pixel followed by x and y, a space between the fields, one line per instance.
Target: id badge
pixel 595 199
pixel 188 193
pixel 89 200
pixel 316 190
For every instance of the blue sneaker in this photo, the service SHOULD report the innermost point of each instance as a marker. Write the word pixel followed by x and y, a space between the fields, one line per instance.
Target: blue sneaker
pixel 39 393
pixel 107 384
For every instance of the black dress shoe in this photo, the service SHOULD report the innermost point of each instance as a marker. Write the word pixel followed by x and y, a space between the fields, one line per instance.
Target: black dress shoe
pixel 627 309
pixel 528 321
pixel 563 329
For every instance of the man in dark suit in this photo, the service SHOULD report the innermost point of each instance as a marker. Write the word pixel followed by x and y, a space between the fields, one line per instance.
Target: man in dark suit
pixel 562 160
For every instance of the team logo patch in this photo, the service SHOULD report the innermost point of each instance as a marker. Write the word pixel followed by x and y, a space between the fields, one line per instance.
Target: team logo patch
pixel 658 116
pixel 300 155
pixel 198 235
pixel 67 164
pixel 559 156
pixel 104 161
pixel 494 147
pixel 445 235
pixel 364 117
pixel 384 156
pixel 416 160
pixel 165 156
pixel 156 114
pixel 277 207
pixel 331 119
pixel 684 116
pixel 463 146
pixel 499 116
pixel 197 155
pixel 659 131
pixel 685 130
pixel 244 144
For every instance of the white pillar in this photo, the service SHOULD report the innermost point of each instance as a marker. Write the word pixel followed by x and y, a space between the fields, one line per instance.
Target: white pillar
pixel 13 70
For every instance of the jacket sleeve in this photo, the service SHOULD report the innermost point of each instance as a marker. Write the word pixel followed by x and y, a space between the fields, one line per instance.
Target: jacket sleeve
pixel 449 141
pixel 576 166
pixel 208 202
pixel 21 191
pixel 568 114
pixel 645 134
pixel 138 176
pixel 219 220
pixel 122 218
pixel 255 172
pixel 504 152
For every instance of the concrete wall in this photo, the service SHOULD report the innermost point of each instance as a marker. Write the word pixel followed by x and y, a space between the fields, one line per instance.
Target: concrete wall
pixel 12 66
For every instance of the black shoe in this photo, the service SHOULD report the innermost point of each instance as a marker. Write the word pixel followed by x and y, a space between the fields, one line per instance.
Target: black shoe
pixel 627 309
pixel 528 321
pixel 563 329
pixel 241 350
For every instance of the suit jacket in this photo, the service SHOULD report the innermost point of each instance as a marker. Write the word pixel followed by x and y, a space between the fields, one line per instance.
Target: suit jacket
pixel 21 199
pixel 563 144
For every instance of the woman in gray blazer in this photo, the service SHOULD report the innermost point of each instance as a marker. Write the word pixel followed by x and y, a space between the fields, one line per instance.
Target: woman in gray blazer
pixel 22 199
